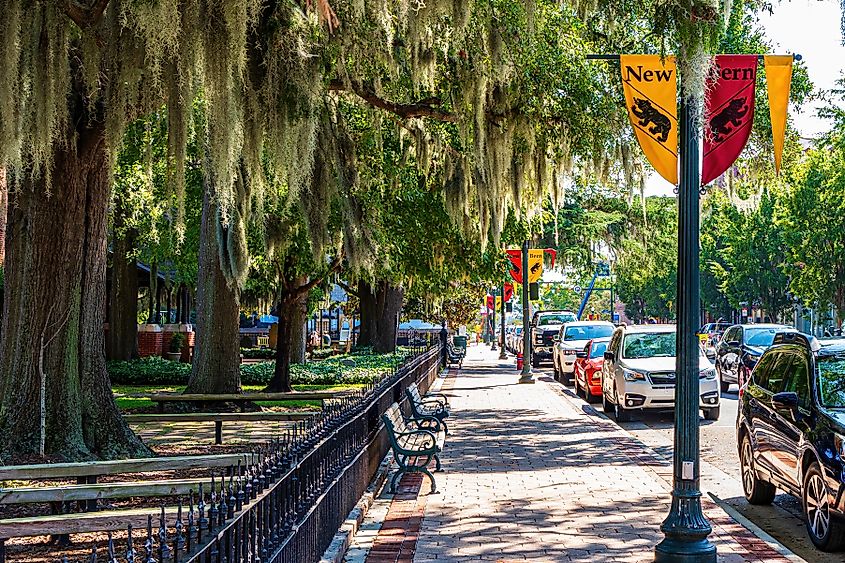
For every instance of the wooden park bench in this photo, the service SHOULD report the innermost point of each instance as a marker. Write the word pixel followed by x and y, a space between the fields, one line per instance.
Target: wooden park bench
pixel 218 418
pixel 241 399
pixel 87 492
pixel 414 447
pixel 433 404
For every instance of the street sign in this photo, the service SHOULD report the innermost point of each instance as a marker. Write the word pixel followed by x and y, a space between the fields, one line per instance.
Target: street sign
pixel 616 317
pixel 577 289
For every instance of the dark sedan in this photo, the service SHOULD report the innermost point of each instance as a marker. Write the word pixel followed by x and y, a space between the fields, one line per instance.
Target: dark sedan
pixel 740 348
pixel 791 432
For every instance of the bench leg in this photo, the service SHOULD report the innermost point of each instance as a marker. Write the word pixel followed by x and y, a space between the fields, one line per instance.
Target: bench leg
pixel 218 432
pixel 430 476
pixel 445 427
pixel 395 479
pixel 437 462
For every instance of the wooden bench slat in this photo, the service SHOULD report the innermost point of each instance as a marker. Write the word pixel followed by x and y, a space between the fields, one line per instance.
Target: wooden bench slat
pixel 66 493
pixel 222 417
pixel 115 467
pixel 79 523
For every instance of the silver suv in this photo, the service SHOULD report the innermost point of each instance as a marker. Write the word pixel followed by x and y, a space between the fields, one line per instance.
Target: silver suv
pixel 639 373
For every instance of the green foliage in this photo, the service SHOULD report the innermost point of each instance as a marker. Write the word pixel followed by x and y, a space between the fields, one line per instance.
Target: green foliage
pixel 152 370
pixel 258 353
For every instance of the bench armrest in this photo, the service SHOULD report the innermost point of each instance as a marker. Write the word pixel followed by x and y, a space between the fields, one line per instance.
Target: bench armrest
pixel 435 398
pixel 427 423
pixel 431 449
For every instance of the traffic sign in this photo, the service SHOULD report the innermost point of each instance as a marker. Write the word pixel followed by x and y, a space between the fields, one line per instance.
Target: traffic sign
pixel 577 289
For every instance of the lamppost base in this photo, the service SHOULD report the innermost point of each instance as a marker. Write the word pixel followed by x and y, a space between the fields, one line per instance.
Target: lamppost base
pixel 526 378
pixel 672 550
pixel 503 355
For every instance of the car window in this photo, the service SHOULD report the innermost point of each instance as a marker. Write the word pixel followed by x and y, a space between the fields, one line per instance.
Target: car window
pixel 779 372
pixel 798 379
pixel 587 332
pixel 731 334
pixel 598 350
pixel 760 336
pixel 831 373
pixel 648 345
pixel 546 320
pixel 760 375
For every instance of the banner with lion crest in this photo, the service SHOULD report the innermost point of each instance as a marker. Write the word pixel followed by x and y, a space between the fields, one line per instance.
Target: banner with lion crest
pixel 650 86
pixel 728 113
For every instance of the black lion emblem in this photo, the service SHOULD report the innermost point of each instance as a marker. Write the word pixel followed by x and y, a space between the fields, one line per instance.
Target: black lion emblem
pixel 723 122
pixel 648 114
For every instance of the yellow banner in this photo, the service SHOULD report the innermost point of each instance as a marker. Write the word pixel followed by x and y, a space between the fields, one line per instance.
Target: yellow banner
pixel 778 80
pixel 535 264
pixel 650 86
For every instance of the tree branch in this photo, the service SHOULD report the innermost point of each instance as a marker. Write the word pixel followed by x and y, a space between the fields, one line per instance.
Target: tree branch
pixel 347 288
pixel 422 108
pixel 85 16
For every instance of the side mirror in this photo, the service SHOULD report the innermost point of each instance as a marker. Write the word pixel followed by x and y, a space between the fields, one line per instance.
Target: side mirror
pixel 785 401
pixel 609 356
pixel 556 338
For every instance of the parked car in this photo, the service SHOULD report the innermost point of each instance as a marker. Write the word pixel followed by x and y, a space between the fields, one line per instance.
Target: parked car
pixel 639 373
pixel 740 348
pixel 545 325
pixel 588 364
pixel 710 334
pixel 791 432
pixel 571 339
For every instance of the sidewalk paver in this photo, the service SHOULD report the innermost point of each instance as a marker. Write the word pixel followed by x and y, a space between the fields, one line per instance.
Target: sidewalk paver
pixel 531 475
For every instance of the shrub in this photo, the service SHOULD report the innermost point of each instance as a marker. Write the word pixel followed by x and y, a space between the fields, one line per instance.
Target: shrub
pixel 258 353
pixel 152 370
pixel 176 342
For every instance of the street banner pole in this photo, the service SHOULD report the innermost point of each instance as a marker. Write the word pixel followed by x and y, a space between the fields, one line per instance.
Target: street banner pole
pixel 493 322
pixel 526 321
pixel 503 354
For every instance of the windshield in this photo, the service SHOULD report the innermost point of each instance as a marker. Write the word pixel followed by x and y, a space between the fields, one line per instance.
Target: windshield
pixel 598 349
pixel 587 332
pixel 560 319
pixel 760 336
pixel 832 381
pixel 649 345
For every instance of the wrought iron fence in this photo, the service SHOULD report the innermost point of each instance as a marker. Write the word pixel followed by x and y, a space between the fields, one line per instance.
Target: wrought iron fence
pixel 287 503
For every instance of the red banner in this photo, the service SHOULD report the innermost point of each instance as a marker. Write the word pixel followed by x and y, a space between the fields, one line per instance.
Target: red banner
pixel 508 291
pixel 515 256
pixel 491 303
pixel 728 113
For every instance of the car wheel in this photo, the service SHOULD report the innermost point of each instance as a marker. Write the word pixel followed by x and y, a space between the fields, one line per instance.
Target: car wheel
pixel 712 413
pixel 566 378
pixel 620 413
pixel 589 394
pixel 756 490
pixel 606 406
pixel 826 532
pixel 555 370
pixel 535 361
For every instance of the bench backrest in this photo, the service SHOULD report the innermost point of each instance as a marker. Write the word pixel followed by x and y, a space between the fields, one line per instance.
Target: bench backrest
pixel 414 393
pixel 394 419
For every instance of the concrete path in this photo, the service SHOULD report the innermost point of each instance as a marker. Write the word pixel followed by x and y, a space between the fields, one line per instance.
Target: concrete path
pixel 530 474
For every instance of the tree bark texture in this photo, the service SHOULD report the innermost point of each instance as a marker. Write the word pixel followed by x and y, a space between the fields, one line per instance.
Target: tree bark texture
pixel 380 307
pixel 216 366
pixel 52 350
pixel 123 300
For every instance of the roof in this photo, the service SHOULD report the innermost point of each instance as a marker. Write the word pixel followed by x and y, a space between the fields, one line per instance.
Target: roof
pixel 649 328
pixel 589 323
pixel 832 348
pixel 767 325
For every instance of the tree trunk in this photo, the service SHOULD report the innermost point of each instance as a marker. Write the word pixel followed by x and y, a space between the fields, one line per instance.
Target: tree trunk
pixel 53 381
pixel 369 314
pixel 389 303
pixel 216 366
pixel 123 310
pixel 290 343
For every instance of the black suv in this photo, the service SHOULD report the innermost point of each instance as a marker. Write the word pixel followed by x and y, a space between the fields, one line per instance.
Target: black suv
pixel 740 348
pixel 791 432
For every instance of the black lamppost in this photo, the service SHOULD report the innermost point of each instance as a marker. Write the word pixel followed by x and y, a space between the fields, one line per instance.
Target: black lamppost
pixel 685 528
pixel 503 354
pixel 526 321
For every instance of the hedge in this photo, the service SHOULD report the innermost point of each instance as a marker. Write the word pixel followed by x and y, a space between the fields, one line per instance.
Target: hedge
pixel 155 370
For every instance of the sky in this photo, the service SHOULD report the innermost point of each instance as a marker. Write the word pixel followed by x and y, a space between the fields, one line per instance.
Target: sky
pixel 809 28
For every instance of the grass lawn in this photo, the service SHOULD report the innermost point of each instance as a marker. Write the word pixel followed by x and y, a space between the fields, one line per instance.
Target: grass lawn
pixel 127 398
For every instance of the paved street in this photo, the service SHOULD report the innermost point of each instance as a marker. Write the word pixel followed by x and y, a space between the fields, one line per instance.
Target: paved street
pixel 532 474
pixel 721 473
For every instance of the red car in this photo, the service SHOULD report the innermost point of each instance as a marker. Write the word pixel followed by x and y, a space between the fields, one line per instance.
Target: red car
pixel 588 365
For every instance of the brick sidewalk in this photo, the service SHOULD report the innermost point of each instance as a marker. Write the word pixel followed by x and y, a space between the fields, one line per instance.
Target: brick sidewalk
pixel 530 474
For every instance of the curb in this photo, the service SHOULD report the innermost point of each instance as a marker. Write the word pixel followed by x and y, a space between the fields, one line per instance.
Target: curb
pixel 343 538
pixel 756 530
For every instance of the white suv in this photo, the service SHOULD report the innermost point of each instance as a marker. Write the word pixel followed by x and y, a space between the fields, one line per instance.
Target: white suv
pixel 571 339
pixel 639 373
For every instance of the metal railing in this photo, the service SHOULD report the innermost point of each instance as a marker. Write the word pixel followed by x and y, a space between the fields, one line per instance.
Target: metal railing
pixel 286 505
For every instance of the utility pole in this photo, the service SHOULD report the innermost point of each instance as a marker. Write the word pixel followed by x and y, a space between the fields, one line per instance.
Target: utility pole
pixel 526 321
pixel 503 354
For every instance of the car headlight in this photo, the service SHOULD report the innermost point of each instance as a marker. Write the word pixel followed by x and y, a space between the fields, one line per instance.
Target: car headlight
pixel 709 373
pixel 631 375
pixel 569 352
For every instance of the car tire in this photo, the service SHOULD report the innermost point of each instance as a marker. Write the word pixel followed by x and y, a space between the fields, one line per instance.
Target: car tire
pixel 712 413
pixel 555 370
pixel 756 490
pixel 535 361
pixel 606 406
pixel 620 413
pixel 588 395
pixel 825 531
pixel 566 378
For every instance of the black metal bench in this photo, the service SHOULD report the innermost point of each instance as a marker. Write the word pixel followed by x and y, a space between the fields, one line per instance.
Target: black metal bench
pixel 414 447
pixel 433 404
pixel 455 355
